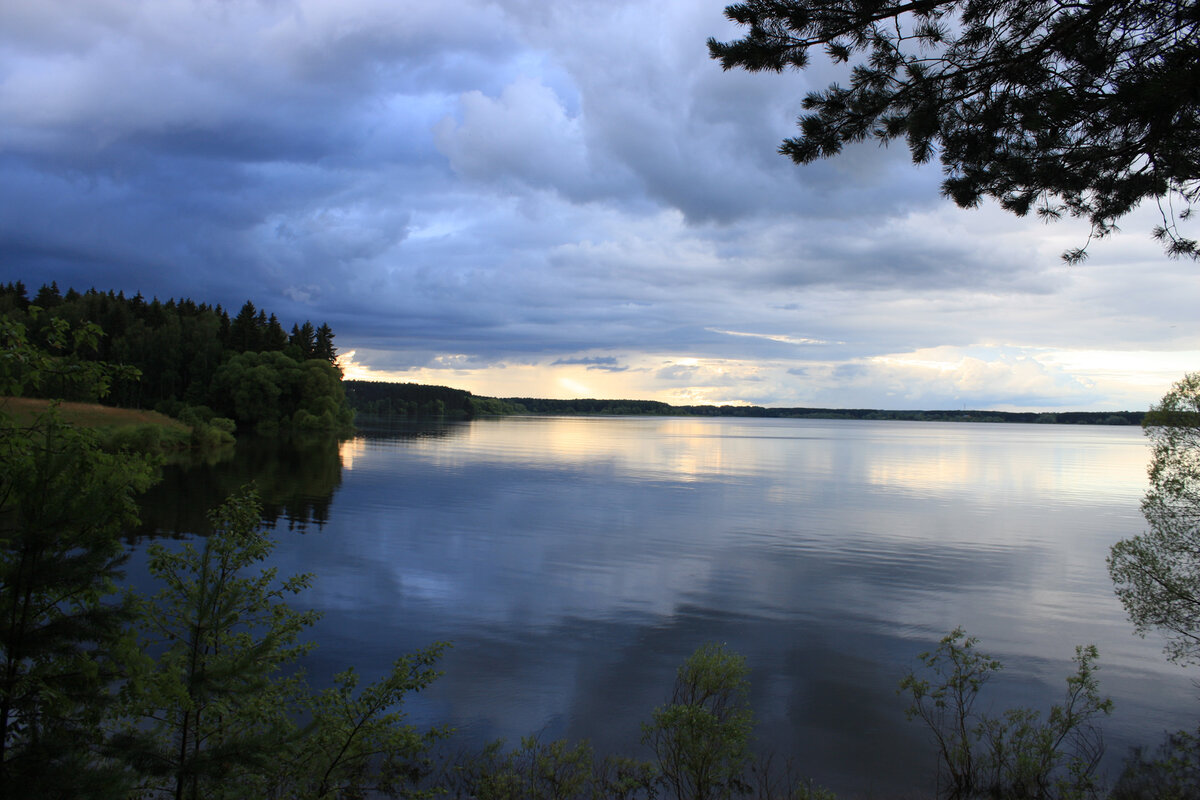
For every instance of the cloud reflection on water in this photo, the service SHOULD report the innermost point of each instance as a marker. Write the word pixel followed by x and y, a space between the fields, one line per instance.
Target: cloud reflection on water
pixel 575 561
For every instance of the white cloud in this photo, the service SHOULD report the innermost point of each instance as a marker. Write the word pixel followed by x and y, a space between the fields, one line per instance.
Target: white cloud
pixel 525 136
pixel 796 340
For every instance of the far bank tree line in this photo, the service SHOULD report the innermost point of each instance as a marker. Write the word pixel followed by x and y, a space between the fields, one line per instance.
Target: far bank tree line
pixel 529 405
pixel 380 398
pixel 187 359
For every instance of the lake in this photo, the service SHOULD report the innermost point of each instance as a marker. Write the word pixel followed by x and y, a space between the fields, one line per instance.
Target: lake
pixel 575 562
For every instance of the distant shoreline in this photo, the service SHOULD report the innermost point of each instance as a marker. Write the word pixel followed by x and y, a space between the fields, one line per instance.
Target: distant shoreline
pixel 384 399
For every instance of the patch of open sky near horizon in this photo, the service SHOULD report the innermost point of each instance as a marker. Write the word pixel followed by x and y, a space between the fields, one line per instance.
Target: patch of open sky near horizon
pixel 564 200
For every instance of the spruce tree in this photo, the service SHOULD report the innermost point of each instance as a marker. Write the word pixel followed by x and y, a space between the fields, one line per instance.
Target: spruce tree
pixel 244 333
pixel 275 337
pixel 323 347
pixel 305 340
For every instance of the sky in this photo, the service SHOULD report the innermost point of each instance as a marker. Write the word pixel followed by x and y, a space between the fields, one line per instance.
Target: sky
pixel 566 199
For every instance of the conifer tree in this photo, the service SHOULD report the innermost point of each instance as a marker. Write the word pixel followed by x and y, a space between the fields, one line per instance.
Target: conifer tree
pixel 1084 108
pixel 48 296
pixel 244 334
pixel 304 338
pixel 215 701
pixel 323 347
pixel 275 337
pixel 63 507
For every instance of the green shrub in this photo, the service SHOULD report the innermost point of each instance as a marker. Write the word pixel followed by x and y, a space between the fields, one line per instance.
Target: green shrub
pixel 1015 755
pixel 144 439
pixel 1173 773
pixel 557 770
pixel 702 737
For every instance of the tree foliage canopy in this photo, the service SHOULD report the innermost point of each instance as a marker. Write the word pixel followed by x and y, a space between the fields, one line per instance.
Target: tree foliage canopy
pixel 1157 574
pixel 212 702
pixel 270 388
pixel 1084 108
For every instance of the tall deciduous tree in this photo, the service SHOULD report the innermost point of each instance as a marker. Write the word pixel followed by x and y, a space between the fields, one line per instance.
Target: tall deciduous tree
pixel 1081 108
pixel 271 388
pixel 1157 574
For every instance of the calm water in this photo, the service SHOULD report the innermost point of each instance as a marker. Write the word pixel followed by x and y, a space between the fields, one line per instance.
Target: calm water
pixel 575 562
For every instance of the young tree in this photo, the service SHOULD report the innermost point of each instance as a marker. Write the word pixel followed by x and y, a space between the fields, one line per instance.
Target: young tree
pixel 1081 108
pixel 1170 772
pixel 358 742
pixel 1016 754
pixel 702 737
pixel 221 712
pixel 535 770
pixel 1157 574
pixel 215 700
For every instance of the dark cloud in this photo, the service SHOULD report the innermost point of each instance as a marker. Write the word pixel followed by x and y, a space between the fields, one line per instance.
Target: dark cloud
pixel 509 183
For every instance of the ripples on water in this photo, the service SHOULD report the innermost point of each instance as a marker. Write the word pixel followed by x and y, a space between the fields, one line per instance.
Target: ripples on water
pixel 575 562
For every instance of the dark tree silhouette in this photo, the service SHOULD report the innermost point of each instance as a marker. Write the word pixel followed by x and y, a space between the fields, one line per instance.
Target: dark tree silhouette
pixel 1084 108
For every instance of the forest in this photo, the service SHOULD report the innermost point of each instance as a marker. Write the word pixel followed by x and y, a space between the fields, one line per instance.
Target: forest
pixel 187 359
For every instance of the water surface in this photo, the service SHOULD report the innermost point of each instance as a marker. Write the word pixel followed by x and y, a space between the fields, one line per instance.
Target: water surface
pixel 575 562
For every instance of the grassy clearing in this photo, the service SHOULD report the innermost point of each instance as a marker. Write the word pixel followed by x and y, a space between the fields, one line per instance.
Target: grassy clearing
pixel 90 415
pixel 121 429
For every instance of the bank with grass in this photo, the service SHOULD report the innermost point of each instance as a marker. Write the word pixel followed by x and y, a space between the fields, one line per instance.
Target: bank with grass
pixel 128 429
